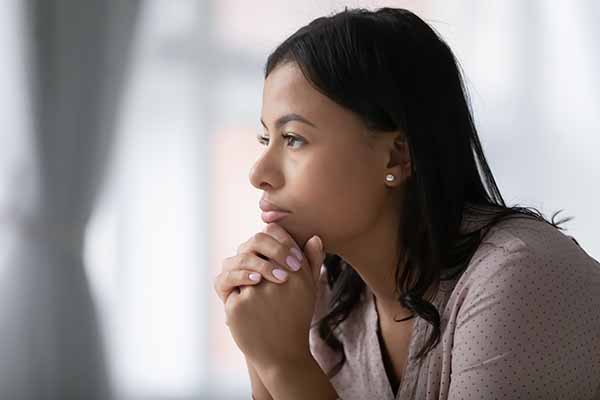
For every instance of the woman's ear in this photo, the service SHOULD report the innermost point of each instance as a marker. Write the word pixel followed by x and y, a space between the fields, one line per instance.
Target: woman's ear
pixel 399 163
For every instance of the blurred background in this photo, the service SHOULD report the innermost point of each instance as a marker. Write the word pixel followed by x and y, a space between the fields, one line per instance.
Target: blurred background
pixel 128 132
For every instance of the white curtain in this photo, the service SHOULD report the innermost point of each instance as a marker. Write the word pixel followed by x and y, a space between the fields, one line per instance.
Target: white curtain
pixel 50 334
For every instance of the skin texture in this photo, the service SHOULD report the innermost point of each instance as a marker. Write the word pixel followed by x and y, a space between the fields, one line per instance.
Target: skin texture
pixel 333 179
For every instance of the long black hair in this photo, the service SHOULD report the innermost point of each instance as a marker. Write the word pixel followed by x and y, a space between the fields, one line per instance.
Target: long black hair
pixel 394 71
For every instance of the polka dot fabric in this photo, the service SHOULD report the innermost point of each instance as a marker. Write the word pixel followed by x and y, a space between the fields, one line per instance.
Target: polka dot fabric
pixel 521 322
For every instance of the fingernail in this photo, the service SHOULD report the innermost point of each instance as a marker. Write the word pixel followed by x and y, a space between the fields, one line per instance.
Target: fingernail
pixel 254 276
pixel 293 263
pixel 279 274
pixel 297 253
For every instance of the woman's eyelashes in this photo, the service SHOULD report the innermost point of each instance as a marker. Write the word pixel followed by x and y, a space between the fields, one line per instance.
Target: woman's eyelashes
pixel 290 138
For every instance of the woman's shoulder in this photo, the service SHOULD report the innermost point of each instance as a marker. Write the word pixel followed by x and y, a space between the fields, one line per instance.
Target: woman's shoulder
pixel 526 279
pixel 525 250
pixel 541 240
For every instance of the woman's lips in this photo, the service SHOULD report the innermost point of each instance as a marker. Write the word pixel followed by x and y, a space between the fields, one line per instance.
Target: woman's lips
pixel 272 216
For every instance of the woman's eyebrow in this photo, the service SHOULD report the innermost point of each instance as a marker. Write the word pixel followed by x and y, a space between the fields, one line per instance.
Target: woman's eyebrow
pixel 284 119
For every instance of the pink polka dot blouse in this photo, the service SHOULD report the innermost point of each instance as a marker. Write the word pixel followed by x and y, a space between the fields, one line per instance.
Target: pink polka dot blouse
pixel 521 322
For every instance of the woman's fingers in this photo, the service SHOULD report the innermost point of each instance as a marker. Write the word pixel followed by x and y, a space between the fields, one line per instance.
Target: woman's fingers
pixel 285 254
pixel 227 281
pixel 246 269
pixel 269 255
pixel 253 262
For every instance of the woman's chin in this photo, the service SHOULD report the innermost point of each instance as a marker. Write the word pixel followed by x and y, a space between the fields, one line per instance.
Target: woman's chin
pixel 299 234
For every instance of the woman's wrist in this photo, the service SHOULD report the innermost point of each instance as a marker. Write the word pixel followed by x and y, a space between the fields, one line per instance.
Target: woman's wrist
pixel 259 391
pixel 299 380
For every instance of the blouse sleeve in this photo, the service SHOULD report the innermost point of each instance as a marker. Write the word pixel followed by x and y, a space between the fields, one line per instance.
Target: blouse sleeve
pixel 526 329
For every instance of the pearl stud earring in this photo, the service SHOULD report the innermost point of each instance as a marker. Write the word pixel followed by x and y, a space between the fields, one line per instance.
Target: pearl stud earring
pixel 390 177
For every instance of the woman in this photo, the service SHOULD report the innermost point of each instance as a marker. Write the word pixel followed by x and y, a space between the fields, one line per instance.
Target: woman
pixel 419 282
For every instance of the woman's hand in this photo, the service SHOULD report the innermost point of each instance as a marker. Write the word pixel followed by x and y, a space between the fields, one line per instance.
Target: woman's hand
pixel 270 323
pixel 259 257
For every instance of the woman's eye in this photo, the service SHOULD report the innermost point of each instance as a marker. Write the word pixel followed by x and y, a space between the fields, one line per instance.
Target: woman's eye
pixel 290 138
pixel 293 138
pixel 262 139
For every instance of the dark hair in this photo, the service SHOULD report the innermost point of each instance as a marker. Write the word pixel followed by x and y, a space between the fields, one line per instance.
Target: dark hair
pixel 391 69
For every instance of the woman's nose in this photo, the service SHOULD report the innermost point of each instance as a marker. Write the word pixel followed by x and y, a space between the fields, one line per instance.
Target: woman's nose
pixel 265 172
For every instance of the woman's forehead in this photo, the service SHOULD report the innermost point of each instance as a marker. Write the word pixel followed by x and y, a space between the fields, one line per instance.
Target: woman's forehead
pixel 288 91
pixel 287 83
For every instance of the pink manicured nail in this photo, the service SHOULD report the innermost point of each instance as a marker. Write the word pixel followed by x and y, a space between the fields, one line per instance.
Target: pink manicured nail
pixel 293 263
pixel 279 274
pixel 254 276
pixel 297 253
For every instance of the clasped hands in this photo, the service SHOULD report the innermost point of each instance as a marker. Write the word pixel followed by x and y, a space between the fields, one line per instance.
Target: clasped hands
pixel 270 318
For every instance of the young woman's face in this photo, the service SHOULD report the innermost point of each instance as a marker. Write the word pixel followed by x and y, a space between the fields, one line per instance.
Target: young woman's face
pixel 328 173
